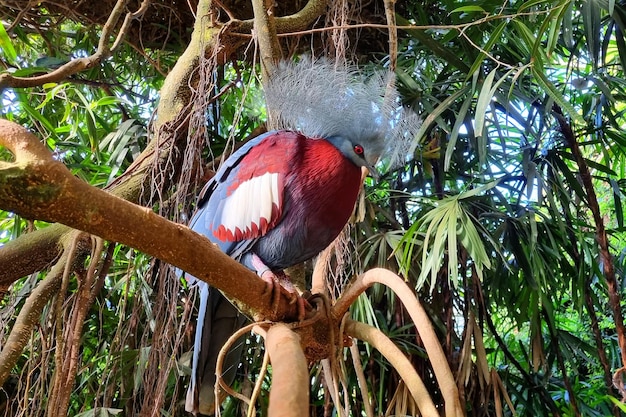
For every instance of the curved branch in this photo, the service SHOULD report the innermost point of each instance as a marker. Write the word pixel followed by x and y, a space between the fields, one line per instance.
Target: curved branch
pixel 305 17
pixel 81 64
pixel 286 24
pixel 46 189
pixel 437 357
pixel 220 385
pixel 31 252
pixel 321 271
pixel 396 358
pixel 289 395
pixel 23 148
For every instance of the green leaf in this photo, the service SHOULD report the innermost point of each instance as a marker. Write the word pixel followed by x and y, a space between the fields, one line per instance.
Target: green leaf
pixel 454 134
pixel 617 202
pixel 37 115
pixel 547 85
pixel 7 46
pixel 604 88
pixel 569 176
pixel 478 190
pixel 600 167
pixel 443 106
pixel 468 9
pixel 591 20
pixel 617 403
pixel 483 101
pixel 494 37
pixel 106 101
pixel 530 4
pixel 567 30
pixel 555 22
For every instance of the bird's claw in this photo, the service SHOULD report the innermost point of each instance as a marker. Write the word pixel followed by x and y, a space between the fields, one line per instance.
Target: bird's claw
pixel 278 283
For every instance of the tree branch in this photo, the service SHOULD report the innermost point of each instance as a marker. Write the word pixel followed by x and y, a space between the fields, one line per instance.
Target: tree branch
pixel 29 315
pixel 175 98
pixel 390 14
pixel 43 188
pixel 289 395
pixel 265 31
pixel 31 252
pixel 601 235
pixel 81 64
pixel 443 374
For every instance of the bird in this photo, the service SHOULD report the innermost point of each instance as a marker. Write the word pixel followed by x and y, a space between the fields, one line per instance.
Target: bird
pixel 284 196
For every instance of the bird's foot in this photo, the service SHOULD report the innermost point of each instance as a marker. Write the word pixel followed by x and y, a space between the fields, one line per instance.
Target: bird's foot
pixel 278 282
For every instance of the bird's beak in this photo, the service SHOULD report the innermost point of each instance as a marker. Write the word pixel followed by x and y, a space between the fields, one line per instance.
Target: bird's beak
pixel 373 172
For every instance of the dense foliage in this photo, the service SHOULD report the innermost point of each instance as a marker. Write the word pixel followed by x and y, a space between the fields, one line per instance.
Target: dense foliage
pixel 507 217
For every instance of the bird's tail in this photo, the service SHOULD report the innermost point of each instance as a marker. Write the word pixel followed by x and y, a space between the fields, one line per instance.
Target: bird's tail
pixel 218 319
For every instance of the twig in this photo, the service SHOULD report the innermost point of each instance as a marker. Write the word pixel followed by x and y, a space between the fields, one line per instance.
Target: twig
pixel 80 64
pixel 219 382
pixel 55 398
pixel 262 372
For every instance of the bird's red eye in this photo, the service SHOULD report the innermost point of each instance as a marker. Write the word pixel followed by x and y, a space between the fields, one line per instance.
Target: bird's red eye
pixel 358 149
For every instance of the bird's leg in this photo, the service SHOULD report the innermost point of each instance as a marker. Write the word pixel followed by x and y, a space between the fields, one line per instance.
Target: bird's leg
pixel 284 285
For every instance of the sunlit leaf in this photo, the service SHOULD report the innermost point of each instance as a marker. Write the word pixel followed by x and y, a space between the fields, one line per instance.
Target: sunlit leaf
pixel 556 95
pixel 468 9
pixel 460 120
pixel 6 45
pixel 483 100
pixel 591 19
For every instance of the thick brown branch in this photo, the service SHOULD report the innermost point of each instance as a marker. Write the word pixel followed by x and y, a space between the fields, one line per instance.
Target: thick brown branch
pixel 45 244
pixel 289 395
pixel 175 97
pixel 287 24
pixel 31 252
pixel 46 190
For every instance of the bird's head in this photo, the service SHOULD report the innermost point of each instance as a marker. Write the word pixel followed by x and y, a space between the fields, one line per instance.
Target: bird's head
pixel 360 155
pixel 361 116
